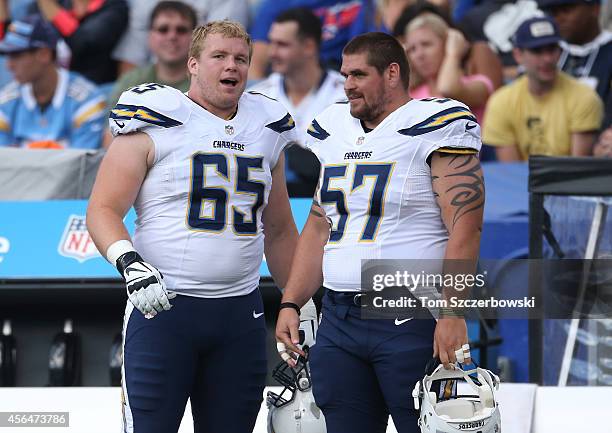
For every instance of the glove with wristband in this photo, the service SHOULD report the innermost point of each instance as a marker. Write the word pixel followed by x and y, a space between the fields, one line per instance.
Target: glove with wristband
pixel 145 285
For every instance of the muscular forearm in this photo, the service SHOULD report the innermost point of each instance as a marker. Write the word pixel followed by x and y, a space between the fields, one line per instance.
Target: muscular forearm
pixel 464 245
pixel 279 253
pixel 105 226
pixel 307 269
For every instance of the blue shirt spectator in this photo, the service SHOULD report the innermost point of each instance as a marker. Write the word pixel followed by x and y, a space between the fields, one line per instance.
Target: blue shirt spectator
pixel 46 106
pixel 341 19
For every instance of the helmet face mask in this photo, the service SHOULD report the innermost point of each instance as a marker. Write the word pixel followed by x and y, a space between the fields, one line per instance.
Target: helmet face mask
pixel 294 410
pixel 292 380
pixel 470 407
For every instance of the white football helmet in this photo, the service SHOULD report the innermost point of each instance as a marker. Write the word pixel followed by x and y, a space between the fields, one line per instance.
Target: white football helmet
pixel 294 410
pixel 457 412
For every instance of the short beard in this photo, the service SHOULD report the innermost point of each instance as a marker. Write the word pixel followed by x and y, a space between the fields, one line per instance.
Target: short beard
pixel 370 112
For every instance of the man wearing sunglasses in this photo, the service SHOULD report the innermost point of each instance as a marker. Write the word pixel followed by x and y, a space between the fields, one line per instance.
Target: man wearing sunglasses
pixel 170 28
pixel 131 51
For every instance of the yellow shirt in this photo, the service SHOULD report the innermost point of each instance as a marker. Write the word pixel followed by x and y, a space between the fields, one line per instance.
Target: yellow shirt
pixel 541 125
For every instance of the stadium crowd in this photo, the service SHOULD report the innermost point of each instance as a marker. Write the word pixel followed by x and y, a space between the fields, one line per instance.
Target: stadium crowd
pixel 537 75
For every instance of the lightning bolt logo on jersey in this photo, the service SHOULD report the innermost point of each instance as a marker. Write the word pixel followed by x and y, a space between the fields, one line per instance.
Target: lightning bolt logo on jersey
pixel 375 187
pixel 211 173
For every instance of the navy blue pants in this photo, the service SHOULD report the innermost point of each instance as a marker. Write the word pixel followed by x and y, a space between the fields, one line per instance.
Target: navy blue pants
pixel 364 370
pixel 212 351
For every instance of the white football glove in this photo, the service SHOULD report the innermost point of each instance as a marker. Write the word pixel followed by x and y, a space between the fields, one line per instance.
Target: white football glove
pixel 145 285
pixel 309 328
pixel 309 323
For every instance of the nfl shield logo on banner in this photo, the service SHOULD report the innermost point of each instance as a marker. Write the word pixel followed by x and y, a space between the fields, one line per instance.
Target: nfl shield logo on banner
pixel 76 242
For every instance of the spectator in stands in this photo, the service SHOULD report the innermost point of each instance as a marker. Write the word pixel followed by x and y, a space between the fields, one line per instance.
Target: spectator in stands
pixel 436 54
pixel 132 49
pixel 172 23
pixel 299 82
pixel 46 107
pixel 480 58
pixel 586 50
pixel 341 20
pixel 91 29
pixel 544 112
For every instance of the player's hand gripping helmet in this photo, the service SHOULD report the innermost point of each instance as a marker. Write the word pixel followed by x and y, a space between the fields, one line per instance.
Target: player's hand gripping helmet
pixel 471 408
pixel 294 410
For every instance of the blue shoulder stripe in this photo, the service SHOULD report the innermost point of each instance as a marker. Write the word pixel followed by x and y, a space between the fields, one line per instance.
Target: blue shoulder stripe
pixel 254 92
pixel 140 112
pixel 285 124
pixel 438 120
pixel 316 131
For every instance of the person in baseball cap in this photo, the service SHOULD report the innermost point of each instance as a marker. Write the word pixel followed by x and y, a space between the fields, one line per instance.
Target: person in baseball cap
pixel 535 33
pixel 45 106
pixel 30 33
pixel 552 113
pixel 536 50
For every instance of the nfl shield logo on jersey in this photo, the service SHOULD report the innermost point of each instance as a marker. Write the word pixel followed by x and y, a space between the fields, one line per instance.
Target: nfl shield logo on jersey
pixel 229 129
pixel 76 241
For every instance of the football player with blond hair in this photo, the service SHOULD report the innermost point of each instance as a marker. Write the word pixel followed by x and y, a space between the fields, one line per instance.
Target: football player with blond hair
pixel 204 171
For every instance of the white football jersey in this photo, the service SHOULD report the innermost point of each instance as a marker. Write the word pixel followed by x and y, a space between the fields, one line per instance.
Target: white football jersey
pixel 329 91
pixel 375 187
pixel 199 208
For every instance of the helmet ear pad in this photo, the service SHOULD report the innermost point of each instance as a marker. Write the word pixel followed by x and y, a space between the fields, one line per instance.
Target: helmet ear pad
pixel 433 398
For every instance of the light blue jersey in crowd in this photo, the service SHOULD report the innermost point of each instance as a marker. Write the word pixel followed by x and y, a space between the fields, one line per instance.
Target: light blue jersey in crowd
pixel 74 119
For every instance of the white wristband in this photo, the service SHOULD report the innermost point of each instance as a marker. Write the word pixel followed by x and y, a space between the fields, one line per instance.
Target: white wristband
pixel 117 249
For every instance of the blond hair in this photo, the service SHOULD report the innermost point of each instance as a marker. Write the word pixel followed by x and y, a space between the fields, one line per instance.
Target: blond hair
pixel 226 28
pixel 432 22
pixel 428 20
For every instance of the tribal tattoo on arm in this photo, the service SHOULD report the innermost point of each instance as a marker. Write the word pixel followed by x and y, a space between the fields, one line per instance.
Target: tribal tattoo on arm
pixel 458 186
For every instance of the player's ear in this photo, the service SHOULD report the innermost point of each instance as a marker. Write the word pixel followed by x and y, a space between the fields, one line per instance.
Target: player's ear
pixel 310 46
pixel 192 65
pixel 393 75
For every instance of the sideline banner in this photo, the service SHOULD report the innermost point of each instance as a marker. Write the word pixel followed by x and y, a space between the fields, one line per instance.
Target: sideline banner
pixel 49 239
